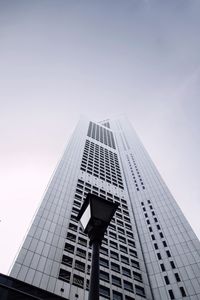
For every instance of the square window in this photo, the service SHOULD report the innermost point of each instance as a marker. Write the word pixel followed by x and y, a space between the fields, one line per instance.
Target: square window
pixel 128 285
pixel 116 280
pixel 115 267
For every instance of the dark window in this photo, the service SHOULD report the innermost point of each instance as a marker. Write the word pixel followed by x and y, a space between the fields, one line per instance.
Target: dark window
pixel 103 262
pixel 69 248
pixel 158 227
pixel 128 285
pixel 115 267
pixel 172 265
pixel 177 277
pixel 126 271
pixel 81 252
pixel 164 244
pixel 71 237
pixel 162 267
pixel 64 275
pixel 116 280
pixel 168 253
pixel 153 237
pixel 159 256
pixel 66 260
pixel 124 259
pixel 137 276
pixel 166 280
pixel 171 294
pixel 156 246
pixel 129 298
pixel 104 276
pixel 79 266
pixel 135 264
pixel 117 296
pixel 139 290
pixel 104 292
pixel 161 235
pixel 183 293
pixel 114 255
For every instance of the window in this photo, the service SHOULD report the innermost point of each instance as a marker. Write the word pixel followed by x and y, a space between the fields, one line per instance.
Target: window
pixel 79 266
pixel 69 248
pixel 114 255
pixel 164 244
pixel 156 246
pixel 137 276
pixel 182 292
pixel 153 237
pixel 122 248
pixel 124 259
pixel 104 276
pixel 171 294
pixel 103 262
pixel 117 296
pixel 135 264
pixel 131 243
pixel 66 260
pixel 113 244
pixel 126 272
pixel 80 252
pixel 166 280
pixel 128 285
pixel 139 290
pixel 172 265
pixel 116 280
pixel 104 251
pixel 133 252
pixel 64 275
pixel 177 277
pixel 162 267
pixel 112 234
pixel 71 237
pixel 104 292
pixel 161 235
pixel 82 241
pixel 168 253
pixel 129 298
pixel 115 267
pixel 159 256
pixel 121 239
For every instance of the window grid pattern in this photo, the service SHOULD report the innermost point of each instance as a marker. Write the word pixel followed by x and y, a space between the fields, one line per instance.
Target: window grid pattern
pixel 101 134
pixel 117 252
pixel 101 163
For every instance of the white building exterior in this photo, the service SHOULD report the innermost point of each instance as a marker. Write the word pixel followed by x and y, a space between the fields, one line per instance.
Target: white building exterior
pixel 150 250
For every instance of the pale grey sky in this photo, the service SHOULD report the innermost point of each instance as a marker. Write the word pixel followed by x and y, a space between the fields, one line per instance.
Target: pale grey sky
pixel 60 59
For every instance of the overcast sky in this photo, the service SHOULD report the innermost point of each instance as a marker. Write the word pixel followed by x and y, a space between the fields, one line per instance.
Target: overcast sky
pixel 60 59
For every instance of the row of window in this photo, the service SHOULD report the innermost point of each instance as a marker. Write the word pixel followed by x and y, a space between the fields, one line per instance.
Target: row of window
pixel 168 253
pixel 137 183
pixel 101 134
pixel 79 281
pixel 101 163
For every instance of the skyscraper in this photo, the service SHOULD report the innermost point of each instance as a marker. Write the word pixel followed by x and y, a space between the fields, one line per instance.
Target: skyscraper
pixel 149 251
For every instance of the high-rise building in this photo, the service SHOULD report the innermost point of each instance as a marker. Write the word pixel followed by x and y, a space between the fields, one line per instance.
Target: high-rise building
pixel 149 250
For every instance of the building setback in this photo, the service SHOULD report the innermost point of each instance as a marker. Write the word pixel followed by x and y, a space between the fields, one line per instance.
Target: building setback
pixel 149 251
